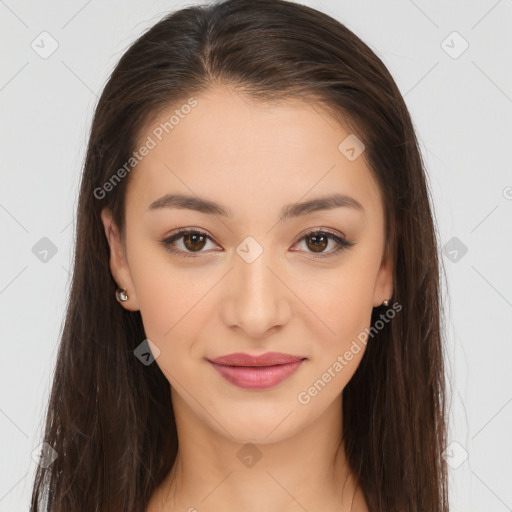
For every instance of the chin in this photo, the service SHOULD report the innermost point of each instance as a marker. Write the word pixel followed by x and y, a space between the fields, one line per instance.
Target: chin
pixel 243 435
pixel 257 428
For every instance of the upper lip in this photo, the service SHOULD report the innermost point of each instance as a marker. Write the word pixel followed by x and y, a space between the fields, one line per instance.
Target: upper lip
pixel 267 359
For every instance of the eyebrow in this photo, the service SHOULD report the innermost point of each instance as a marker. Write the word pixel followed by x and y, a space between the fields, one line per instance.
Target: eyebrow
pixel 288 211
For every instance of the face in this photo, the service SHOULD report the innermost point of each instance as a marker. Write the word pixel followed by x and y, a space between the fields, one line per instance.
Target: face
pixel 253 273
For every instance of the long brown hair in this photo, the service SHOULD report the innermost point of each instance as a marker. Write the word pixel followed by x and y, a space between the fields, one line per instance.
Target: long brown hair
pixel 110 419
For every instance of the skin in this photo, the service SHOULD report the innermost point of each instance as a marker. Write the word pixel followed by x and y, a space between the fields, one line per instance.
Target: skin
pixel 253 158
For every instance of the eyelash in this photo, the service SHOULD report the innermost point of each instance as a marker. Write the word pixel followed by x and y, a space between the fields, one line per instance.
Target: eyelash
pixel 341 243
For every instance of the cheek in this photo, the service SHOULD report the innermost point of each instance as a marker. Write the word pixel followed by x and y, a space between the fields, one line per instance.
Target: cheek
pixel 181 307
pixel 343 301
pixel 172 320
pixel 340 339
pixel 173 301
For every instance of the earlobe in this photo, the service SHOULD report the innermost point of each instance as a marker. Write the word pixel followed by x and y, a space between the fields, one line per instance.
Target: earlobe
pixel 118 264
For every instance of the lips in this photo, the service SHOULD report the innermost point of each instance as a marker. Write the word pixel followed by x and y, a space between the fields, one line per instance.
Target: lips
pixel 257 372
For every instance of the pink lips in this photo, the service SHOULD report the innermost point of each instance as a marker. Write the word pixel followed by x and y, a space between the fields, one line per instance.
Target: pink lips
pixel 256 372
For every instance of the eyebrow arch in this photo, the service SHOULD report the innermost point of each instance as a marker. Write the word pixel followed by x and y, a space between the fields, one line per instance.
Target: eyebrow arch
pixel 288 211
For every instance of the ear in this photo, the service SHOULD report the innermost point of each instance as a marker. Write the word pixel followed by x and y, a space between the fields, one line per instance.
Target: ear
pixel 384 282
pixel 118 262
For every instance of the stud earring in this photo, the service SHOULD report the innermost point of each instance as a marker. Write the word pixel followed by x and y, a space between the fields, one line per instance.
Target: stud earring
pixel 121 295
pixel 385 303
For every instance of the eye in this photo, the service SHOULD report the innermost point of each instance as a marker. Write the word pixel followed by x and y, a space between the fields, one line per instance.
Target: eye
pixel 193 241
pixel 318 240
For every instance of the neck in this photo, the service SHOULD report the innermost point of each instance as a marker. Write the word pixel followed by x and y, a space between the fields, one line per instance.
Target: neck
pixel 307 470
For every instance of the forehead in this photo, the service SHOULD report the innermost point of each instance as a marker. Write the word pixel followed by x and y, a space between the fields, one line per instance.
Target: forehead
pixel 249 154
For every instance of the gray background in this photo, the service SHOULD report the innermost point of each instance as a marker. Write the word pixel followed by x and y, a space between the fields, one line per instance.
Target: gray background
pixel 461 104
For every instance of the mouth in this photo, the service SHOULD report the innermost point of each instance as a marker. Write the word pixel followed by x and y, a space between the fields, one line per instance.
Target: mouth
pixel 257 372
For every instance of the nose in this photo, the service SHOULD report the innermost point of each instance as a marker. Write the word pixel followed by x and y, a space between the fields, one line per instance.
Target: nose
pixel 257 299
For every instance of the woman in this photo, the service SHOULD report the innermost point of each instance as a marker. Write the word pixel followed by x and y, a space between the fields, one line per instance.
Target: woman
pixel 254 318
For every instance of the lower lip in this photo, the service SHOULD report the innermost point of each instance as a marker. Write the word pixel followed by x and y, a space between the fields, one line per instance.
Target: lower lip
pixel 256 377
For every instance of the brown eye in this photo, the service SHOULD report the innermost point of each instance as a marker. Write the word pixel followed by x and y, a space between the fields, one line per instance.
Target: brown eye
pixel 194 242
pixel 318 242
pixel 191 241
